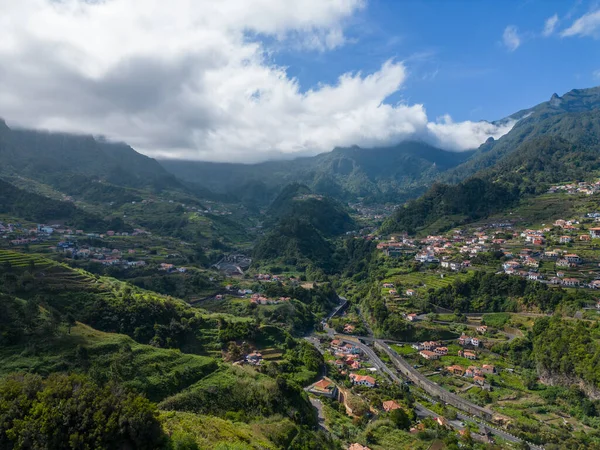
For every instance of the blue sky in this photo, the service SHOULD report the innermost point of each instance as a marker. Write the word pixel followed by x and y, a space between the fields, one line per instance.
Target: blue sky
pixel 252 80
pixel 456 59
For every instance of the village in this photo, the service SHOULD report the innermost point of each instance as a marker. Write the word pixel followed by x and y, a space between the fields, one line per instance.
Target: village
pixel 561 253
pixel 576 188
pixel 79 246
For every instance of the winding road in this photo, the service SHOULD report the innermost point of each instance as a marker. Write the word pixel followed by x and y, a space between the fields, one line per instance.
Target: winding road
pixel 382 367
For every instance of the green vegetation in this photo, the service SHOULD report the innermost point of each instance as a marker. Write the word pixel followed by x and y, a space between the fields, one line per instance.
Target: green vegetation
pixel 389 174
pixel 483 292
pixel 34 207
pixel 451 205
pixel 73 412
pixel 297 202
pixel 496 320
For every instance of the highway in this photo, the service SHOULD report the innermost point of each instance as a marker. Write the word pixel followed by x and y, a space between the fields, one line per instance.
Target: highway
pixel 419 408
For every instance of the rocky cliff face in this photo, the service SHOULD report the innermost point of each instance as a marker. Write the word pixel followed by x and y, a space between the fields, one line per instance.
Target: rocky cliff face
pixel 551 379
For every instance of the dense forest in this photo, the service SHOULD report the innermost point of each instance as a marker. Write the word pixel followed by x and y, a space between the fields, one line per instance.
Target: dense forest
pixel 451 205
pixel 295 242
pixel 72 412
pixel 296 201
pixel 500 292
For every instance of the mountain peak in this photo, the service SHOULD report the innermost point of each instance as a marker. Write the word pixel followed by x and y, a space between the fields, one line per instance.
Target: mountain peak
pixel 555 100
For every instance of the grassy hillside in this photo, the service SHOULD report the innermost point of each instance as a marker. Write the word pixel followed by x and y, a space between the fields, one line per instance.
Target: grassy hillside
pixel 155 372
pixel 114 306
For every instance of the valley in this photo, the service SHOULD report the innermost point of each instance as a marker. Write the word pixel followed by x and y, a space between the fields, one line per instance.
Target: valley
pixel 401 297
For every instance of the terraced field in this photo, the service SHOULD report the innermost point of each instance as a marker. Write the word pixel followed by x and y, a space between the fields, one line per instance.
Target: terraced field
pixel 421 280
pixel 21 260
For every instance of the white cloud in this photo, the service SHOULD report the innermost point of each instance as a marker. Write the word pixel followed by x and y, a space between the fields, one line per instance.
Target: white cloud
pixel 586 25
pixel 193 78
pixel 596 74
pixel 457 136
pixel 511 38
pixel 550 25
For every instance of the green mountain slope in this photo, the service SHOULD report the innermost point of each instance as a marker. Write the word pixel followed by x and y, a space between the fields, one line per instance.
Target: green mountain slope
pixel 297 201
pixel 569 117
pixel 384 174
pixel 18 203
pixel 66 161
pixel 295 242
pixel 556 142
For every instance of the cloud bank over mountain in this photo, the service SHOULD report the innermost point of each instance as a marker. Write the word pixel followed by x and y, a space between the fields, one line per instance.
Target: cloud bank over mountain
pixel 195 79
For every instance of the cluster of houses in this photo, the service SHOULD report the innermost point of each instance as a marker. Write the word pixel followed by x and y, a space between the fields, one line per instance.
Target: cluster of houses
pixel 473 372
pixel 259 299
pixel 451 252
pixel 268 277
pixel 101 255
pixel 577 188
pixel 17 234
pixel 471 341
pixel 431 350
pixel 373 212
pixel 349 357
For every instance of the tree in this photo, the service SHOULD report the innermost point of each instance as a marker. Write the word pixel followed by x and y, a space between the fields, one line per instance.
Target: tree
pixel 70 320
pixel 400 419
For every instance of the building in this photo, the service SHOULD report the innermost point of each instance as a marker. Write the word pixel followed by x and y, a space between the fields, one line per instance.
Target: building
pixel 452 265
pixel 573 258
pixel 429 355
pixel 565 239
pixel 488 368
pixel 357 446
pixel 465 340
pixel 442 351
pixel 430 345
pixel 482 329
pixel 467 354
pixel 479 380
pixel 595 233
pixel 456 370
pixel 472 371
pixel 349 328
pixel 351 349
pixel 390 405
pixel 410 292
pixel 362 380
pixel 254 358
pixel 324 387
pixel 570 282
